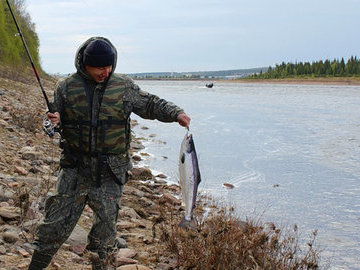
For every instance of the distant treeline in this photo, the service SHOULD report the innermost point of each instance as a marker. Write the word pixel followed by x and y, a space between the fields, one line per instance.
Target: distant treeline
pixel 327 68
pixel 235 73
pixel 12 52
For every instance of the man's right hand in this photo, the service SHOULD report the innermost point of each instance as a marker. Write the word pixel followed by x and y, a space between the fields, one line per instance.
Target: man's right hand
pixel 54 118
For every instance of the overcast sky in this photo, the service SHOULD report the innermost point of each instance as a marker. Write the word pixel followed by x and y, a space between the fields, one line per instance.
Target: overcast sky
pixel 198 35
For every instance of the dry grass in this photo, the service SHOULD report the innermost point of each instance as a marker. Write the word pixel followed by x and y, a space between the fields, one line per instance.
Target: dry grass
pixel 223 241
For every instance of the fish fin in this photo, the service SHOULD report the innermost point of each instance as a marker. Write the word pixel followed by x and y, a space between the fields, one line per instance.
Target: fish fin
pixel 183 158
pixel 189 224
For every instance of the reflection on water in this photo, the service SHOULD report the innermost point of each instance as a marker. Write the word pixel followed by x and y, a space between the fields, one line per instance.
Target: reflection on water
pixel 291 151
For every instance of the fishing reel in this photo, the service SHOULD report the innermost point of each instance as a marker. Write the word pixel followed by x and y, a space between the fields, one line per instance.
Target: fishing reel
pixel 48 127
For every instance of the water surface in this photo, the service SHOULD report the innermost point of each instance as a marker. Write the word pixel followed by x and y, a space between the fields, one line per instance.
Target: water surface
pixel 291 151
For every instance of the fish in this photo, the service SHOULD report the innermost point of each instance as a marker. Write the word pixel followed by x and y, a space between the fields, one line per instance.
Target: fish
pixel 189 179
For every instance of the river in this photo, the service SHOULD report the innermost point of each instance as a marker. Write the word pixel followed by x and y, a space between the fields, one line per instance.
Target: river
pixel 292 153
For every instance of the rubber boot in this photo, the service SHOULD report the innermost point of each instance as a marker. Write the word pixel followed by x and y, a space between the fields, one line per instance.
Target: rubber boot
pixel 39 261
pixel 96 262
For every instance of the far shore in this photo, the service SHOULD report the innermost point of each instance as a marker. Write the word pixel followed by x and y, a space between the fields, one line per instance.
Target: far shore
pixel 309 81
pixel 319 80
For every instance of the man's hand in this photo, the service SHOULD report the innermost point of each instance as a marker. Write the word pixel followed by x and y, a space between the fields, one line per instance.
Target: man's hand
pixel 54 118
pixel 184 120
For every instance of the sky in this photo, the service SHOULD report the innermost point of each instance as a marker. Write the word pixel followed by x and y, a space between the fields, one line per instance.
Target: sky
pixel 197 35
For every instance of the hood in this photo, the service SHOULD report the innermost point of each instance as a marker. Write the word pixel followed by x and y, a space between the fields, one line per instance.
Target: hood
pixel 79 56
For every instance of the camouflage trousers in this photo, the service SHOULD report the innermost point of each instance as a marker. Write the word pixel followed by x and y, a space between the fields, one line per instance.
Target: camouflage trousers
pixel 76 187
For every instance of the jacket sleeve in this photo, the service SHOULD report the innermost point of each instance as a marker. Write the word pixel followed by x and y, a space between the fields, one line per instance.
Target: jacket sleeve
pixel 150 106
pixel 57 103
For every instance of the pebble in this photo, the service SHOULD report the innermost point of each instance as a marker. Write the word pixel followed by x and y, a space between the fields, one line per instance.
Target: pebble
pixel 23 252
pixel 127 253
pixel 119 261
pixel 10 237
pixel 133 267
pixel 21 170
pixel 2 250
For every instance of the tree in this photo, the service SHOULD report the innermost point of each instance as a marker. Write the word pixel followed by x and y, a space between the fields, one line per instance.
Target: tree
pixel 12 52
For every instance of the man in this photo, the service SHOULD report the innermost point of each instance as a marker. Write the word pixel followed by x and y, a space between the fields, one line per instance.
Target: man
pixel 91 111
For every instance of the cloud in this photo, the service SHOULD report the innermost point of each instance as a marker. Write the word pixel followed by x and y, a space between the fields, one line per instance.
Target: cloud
pixel 202 34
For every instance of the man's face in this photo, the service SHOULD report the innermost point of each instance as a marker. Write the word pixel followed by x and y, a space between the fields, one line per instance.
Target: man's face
pixel 99 74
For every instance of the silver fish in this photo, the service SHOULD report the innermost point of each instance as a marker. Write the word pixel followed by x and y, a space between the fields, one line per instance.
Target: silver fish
pixel 189 178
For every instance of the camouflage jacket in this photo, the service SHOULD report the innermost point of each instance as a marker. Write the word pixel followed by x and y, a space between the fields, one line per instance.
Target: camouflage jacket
pixel 135 100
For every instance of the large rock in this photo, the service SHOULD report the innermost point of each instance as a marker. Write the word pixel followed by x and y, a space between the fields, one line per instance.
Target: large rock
pixel 6 194
pixel 123 225
pixel 20 170
pixel 29 153
pixel 119 261
pixel 136 146
pixel 126 253
pixel 78 239
pixel 141 174
pixel 128 212
pixel 168 198
pixel 10 212
pixel 10 237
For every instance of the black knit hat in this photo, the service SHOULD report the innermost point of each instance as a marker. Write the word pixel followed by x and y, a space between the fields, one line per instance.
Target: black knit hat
pixel 98 53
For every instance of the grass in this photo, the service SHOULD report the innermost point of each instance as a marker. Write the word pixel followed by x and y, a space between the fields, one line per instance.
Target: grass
pixel 224 242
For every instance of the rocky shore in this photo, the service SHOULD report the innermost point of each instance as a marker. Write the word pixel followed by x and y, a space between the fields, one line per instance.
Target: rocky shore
pixel 147 226
pixel 29 167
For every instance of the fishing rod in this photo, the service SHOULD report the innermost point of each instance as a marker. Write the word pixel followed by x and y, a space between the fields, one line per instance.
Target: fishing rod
pixel 49 129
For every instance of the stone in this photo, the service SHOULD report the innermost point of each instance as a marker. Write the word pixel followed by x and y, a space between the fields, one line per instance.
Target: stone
pixel 4 204
pixel 78 239
pixel 128 212
pixel 141 173
pixel 56 266
pixel 2 250
pixel 228 185
pixel 123 225
pixel 120 243
pixel 160 181
pixel 5 193
pixel 74 258
pixel 23 252
pixel 163 266
pixel 29 247
pixel 168 198
pixel 39 136
pixel 21 170
pixel 136 158
pixel 29 153
pixel 3 123
pixel 10 212
pixel 146 189
pixel 140 223
pixel 78 249
pixel 13 184
pixel 133 267
pixel 127 253
pixel 137 146
pixel 23 265
pixel 10 237
pixel 161 175
pixel 119 261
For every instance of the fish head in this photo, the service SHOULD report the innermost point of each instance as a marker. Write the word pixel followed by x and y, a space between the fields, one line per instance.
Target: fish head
pixel 189 143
